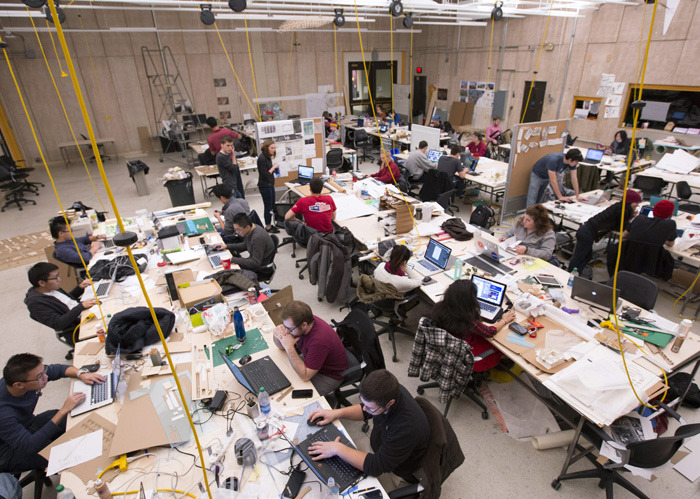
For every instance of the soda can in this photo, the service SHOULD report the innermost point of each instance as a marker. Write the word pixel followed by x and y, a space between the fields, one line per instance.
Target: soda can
pixel 252 299
pixel 261 430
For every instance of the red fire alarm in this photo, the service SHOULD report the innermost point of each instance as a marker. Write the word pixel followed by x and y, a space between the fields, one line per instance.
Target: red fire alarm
pixel 419 69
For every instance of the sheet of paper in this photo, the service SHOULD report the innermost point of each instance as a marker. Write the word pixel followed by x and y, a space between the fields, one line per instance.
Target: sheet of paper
pixel 612 112
pixel 317 164
pixel 613 100
pixel 689 466
pixel 75 451
pixel 678 162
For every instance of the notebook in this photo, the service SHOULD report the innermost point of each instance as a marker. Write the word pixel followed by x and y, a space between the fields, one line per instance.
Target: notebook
pixel 262 372
pixel 434 155
pixel 306 173
pixel 102 394
pixel 436 259
pixel 490 295
pixel 594 294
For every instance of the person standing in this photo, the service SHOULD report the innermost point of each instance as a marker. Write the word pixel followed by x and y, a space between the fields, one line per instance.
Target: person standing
pixel 217 133
pixel 545 172
pixel 266 182
pixel 228 168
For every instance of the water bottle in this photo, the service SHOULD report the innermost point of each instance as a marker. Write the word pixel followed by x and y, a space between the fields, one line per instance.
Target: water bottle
pixel 574 273
pixel 264 402
pixel 333 490
pixel 238 325
pixel 64 493
pixel 458 269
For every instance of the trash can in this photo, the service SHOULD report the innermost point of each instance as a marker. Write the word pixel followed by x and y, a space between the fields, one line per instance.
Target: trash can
pixel 137 171
pixel 181 191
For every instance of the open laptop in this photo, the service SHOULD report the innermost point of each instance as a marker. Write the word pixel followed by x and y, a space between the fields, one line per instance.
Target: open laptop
pixel 604 197
pixel 306 173
pixel 489 257
pixel 490 295
pixel 216 256
pixel 344 474
pixel 102 394
pixel 382 128
pixel 593 156
pixel 436 259
pixel 470 164
pixel 434 155
pixel 594 294
pixel 262 372
pixel 102 288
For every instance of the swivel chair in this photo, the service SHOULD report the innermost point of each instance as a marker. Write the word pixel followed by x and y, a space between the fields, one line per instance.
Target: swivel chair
pixel 363 142
pixel 684 192
pixel 334 159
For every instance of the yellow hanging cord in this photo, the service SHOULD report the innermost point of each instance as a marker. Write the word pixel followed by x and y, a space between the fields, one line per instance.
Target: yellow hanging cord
pixel 65 113
pixel 98 158
pixel 63 73
pixel 624 205
pixel 252 68
pixel 117 494
pixel 391 64
pixel 335 65
pixel 289 69
pixel 537 65
pixel 94 69
pixel 639 51
pixel 376 124
pixel 228 58
pixel 488 81
pixel 410 77
pixel 53 184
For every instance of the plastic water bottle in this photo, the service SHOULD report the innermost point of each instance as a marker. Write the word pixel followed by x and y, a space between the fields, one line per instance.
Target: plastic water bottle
pixel 458 269
pixel 64 493
pixel 238 325
pixel 264 402
pixel 574 273
pixel 333 490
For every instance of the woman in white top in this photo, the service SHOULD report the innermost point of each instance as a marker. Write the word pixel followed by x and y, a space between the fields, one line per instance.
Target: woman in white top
pixel 396 271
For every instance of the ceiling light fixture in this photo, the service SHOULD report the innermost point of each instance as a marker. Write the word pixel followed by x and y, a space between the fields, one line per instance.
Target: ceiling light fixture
pixel 396 8
pixel 59 13
pixel 497 12
pixel 237 5
pixel 34 4
pixel 206 16
pixel 339 19
pixel 408 20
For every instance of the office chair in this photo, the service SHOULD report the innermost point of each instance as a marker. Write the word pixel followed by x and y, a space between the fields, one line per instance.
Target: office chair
pixel 363 142
pixel 100 149
pixel 684 192
pixel 445 200
pixel 636 289
pixel 351 378
pixel 396 313
pixel 267 272
pixel 38 478
pixel 13 190
pixel 650 186
pixel 21 174
pixel 334 159
pixel 642 258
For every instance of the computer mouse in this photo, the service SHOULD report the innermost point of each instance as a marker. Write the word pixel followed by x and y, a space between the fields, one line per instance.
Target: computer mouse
pixel 314 422
pixel 244 360
pixel 427 279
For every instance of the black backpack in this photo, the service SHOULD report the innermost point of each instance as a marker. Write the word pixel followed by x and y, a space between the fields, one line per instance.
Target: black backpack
pixel 483 216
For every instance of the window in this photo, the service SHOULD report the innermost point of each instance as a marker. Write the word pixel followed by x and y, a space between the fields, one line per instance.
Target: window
pixel 680 105
pixel 586 108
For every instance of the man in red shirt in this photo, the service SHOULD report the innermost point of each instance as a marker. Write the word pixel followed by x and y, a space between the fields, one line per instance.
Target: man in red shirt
pixel 477 146
pixel 318 210
pixel 324 357
pixel 214 139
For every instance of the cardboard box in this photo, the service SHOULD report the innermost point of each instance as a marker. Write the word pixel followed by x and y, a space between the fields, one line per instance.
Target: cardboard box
pixel 191 294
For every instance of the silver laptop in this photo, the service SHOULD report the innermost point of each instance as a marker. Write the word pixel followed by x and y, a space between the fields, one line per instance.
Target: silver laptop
pixel 436 259
pixel 215 258
pixel 594 294
pixel 102 394
pixel 102 288
pixel 489 253
pixel 490 295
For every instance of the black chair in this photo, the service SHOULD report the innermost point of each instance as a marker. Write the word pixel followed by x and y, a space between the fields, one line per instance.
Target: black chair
pixel 650 186
pixel 267 272
pixel 334 159
pixel 38 478
pixel 363 142
pixel 642 258
pixel 100 149
pixel 395 311
pixel 684 192
pixel 636 289
pixel 445 200
pixel 13 189
pixel 21 174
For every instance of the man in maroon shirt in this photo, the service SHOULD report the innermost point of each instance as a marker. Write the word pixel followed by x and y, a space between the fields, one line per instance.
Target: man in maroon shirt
pixel 324 357
pixel 214 139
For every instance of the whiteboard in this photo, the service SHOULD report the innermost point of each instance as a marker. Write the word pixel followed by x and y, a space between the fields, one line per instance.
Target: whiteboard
pixel 430 134
pixel 401 100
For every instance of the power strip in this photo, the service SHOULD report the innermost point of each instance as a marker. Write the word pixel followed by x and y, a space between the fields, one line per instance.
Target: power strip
pixel 217 451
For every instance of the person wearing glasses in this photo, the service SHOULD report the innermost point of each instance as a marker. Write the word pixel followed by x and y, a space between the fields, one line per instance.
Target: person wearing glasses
pixel 256 241
pixel 49 305
pixel 22 433
pixel 64 248
pixel 323 357
pixel 400 433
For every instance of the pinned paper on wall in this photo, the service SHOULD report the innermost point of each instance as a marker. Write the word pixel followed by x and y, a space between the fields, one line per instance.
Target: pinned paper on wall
pixel 607 81
pixel 618 88
pixel 613 100
pixel 612 112
pixel 317 164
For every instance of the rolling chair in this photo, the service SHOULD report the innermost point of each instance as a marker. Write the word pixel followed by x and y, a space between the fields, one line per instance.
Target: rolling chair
pixel 100 148
pixel 636 289
pixel 267 273
pixel 445 200
pixel 363 142
pixel 650 186
pixel 395 311
pixel 334 159
pixel 684 192
pixel 21 174
pixel 13 190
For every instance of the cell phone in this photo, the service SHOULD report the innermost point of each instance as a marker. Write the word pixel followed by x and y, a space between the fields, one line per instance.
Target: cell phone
pixel 521 330
pixel 302 394
pixel 91 368
pixel 372 494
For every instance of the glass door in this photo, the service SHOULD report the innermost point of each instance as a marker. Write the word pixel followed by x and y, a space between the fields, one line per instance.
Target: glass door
pixel 381 76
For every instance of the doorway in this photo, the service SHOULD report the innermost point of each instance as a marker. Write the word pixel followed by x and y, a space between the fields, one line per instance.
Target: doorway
pixel 534 107
pixel 380 85
pixel 420 86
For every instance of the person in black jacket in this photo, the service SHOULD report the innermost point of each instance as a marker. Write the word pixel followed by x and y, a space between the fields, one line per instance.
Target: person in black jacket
pixel 49 305
pixel 266 182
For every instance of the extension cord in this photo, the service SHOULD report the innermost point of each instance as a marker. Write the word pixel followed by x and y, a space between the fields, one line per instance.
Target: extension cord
pixel 217 452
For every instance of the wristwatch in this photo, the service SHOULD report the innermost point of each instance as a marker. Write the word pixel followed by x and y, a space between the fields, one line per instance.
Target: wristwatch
pixel 82 371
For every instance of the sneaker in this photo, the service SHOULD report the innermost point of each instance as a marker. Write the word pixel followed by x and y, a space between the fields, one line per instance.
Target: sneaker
pixel 273 230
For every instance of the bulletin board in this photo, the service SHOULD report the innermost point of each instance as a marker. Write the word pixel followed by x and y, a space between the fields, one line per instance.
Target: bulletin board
pixel 299 142
pixel 531 141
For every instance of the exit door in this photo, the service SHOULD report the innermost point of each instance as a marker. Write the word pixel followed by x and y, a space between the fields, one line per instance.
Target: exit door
pixel 536 103
pixel 419 94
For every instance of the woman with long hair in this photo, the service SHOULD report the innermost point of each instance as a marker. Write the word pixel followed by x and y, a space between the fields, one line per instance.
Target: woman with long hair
pixel 535 233
pixel 266 182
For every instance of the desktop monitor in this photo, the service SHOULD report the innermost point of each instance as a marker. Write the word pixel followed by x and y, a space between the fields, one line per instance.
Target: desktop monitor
pixel 202 118
pixel 306 172
pixel 434 155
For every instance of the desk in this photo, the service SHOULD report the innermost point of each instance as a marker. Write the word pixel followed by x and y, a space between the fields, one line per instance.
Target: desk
pixel 65 147
pixel 491 178
pixel 692 178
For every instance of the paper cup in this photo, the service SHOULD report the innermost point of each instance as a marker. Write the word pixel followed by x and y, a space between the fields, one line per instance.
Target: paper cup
pixel 226 263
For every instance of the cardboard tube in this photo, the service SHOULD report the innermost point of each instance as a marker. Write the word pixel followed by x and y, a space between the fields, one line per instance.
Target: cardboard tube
pixel 553 440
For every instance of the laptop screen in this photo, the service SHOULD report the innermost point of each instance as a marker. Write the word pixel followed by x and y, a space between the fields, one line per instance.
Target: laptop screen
pixel 437 253
pixel 470 163
pixel 237 373
pixel 489 291
pixel 382 128
pixel 595 154
pixel 434 155
pixel 306 172
pixel 116 370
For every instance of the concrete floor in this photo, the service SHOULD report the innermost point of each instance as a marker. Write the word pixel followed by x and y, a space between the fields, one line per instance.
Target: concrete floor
pixel 496 464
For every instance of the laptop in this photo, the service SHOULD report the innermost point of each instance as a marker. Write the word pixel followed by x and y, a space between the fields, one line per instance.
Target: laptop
pixel 102 394
pixel 215 256
pixel 436 259
pixel 262 372
pixel 384 246
pixel 470 164
pixel 102 288
pixel 594 294
pixel 344 474
pixel 490 295
pixel 489 256
pixel 593 156
pixel 434 155
pixel 382 128
pixel 597 200
pixel 306 173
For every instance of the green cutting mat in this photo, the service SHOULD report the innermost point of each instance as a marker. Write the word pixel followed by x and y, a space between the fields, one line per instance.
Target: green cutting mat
pixel 254 342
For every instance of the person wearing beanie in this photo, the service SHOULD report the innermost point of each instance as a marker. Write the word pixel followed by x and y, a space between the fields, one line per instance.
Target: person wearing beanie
pixel 658 230
pixel 597 226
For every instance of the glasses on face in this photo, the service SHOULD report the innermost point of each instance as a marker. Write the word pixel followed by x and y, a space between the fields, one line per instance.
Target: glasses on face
pixel 290 330
pixel 55 278
pixel 370 409
pixel 38 378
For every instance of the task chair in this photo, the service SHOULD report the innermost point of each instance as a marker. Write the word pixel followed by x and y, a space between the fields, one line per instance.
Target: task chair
pixel 395 311
pixel 267 273
pixel 38 478
pixel 684 192
pixel 334 159
pixel 636 289
pixel 13 190
pixel 363 142
pixel 100 149
pixel 21 174
pixel 650 186
pixel 445 200
pixel 642 258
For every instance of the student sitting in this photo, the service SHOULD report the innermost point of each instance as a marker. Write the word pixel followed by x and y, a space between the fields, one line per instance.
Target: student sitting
pixel 256 241
pixel 23 434
pixel 493 131
pixel 64 248
pixel 389 172
pixel 232 207
pixel 534 231
pixel 452 165
pixel 317 209
pixel 396 271
pixel 459 314
pixel 49 305
pixel 477 147
pixel 417 163
pixel 324 357
pixel 658 230
pixel 621 144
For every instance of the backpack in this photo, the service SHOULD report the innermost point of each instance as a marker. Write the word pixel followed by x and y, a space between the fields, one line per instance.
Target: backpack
pixel 483 216
pixel 117 269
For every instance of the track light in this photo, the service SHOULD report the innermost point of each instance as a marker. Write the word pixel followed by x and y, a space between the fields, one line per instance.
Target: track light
pixel 206 16
pixel 59 13
pixel 408 20
pixel 497 12
pixel 339 19
pixel 237 5
pixel 34 4
pixel 396 8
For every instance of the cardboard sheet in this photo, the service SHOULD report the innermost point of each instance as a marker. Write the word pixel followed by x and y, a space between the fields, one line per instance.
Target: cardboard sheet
pixel 274 304
pixel 90 348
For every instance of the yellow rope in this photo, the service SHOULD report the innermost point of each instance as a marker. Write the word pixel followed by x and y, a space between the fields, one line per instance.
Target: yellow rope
pixel 289 68
pixel 65 113
pixel 63 73
pixel 488 80
pixel 410 77
pixel 639 51
pixel 391 64
pixel 537 65
pixel 252 68
pixel 335 65
pixel 91 133
pixel 94 69
pixel 228 58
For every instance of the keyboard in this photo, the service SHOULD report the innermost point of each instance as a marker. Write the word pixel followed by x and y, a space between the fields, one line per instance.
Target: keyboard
pixel 100 393
pixel 260 377
pixel 103 288
pixel 215 260
pixel 338 468
pixel 428 265
pixel 487 307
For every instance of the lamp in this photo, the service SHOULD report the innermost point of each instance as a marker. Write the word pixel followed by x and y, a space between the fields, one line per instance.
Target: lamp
pixel 408 20
pixel 237 5
pixel 339 19
pixel 34 4
pixel 206 16
pixel 497 12
pixel 396 8
pixel 59 13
